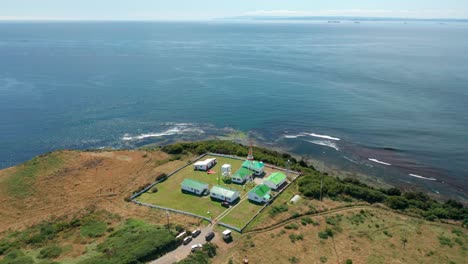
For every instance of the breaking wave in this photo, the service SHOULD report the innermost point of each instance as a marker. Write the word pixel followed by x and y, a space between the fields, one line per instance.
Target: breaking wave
pixel 292 136
pixel 312 135
pixel 380 162
pixel 322 136
pixel 324 143
pixel 421 177
pixel 177 130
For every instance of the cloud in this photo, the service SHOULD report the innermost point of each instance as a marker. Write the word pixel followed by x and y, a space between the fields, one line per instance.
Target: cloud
pixel 365 13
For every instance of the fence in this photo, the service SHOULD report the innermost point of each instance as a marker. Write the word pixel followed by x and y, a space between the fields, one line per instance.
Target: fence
pixel 266 165
pixel 173 210
pixel 270 202
pixel 230 227
pixel 136 195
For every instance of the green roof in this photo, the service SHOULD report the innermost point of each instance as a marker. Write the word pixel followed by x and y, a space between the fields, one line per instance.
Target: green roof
pixel 253 165
pixel 222 190
pixel 194 184
pixel 276 177
pixel 242 173
pixel 262 191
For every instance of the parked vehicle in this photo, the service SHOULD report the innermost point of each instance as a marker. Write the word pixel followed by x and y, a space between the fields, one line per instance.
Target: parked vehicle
pixel 187 240
pixel 209 236
pixel 196 247
pixel 227 237
pixel 181 235
pixel 226 204
pixel 195 233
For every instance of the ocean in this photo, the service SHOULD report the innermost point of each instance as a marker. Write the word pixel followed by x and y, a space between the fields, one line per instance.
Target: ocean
pixel 387 99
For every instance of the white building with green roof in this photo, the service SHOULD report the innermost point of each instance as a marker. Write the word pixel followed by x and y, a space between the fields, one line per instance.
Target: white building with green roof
pixel 256 166
pixel 194 186
pixel 224 194
pixel 275 180
pixel 260 194
pixel 242 175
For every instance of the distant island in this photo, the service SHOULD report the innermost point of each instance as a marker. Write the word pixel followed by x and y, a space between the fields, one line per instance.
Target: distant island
pixel 343 18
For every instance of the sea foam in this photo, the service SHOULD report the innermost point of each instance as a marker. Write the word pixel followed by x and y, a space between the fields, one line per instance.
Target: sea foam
pixel 324 143
pixel 421 177
pixel 380 162
pixel 322 136
pixel 172 131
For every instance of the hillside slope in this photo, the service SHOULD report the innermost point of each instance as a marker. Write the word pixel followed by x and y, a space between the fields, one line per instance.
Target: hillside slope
pixel 65 182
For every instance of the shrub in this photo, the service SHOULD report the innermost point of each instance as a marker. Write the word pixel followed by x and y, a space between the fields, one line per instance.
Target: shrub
pixel 292 226
pixel 293 260
pixel 50 252
pixel 161 177
pixel 348 261
pixel 135 242
pixel 306 220
pixel 275 210
pixel 93 228
pixel 387 233
pixel 210 249
pixel 323 259
pixel 445 241
pixel 323 235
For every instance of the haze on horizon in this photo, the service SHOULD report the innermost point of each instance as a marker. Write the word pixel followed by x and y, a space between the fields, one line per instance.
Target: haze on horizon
pixel 213 9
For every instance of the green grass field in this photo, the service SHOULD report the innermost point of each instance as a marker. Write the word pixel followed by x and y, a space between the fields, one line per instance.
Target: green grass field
pixel 21 183
pixel 240 215
pixel 169 193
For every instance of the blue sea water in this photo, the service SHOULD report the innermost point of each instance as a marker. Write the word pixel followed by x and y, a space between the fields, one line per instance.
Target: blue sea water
pixel 387 99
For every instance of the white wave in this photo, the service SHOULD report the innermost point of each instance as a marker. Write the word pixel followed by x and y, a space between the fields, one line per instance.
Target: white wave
pixel 324 143
pixel 351 160
pixel 322 136
pixel 292 136
pixel 380 162
pixel 421 177
pixel 172 131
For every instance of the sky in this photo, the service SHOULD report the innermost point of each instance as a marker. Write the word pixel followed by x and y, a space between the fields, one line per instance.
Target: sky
pixel 212 9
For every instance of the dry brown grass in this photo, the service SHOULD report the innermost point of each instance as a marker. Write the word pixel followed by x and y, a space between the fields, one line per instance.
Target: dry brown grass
pixel 362 243
pixel 101 179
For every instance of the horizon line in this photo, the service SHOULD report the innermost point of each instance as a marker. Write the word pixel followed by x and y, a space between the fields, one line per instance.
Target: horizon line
pixel 237 18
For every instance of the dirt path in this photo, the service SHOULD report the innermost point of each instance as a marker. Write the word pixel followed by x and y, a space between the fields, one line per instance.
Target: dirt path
pixel 332 211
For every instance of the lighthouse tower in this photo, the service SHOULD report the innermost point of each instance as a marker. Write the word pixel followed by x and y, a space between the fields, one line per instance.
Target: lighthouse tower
pixel 250 156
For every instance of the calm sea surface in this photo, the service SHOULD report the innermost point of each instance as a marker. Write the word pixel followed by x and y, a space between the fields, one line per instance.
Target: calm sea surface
pixel 386 99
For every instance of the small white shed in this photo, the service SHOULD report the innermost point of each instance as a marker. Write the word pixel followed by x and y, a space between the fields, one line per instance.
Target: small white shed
pixel 226 170
pixel 295 199
pixel 204 165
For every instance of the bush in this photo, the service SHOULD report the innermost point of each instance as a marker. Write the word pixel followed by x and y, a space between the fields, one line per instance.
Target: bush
pixel 348 261
pixel 161 177
pixel 445 241
pixel 275 210
pixel 323 235
pixel 50 252
pixel 292 226
pixel 135 242
pixel 306 220
pixel 293 260
pixel 295 237
pixel 397 202
pixel 93 228
pixel 323 259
